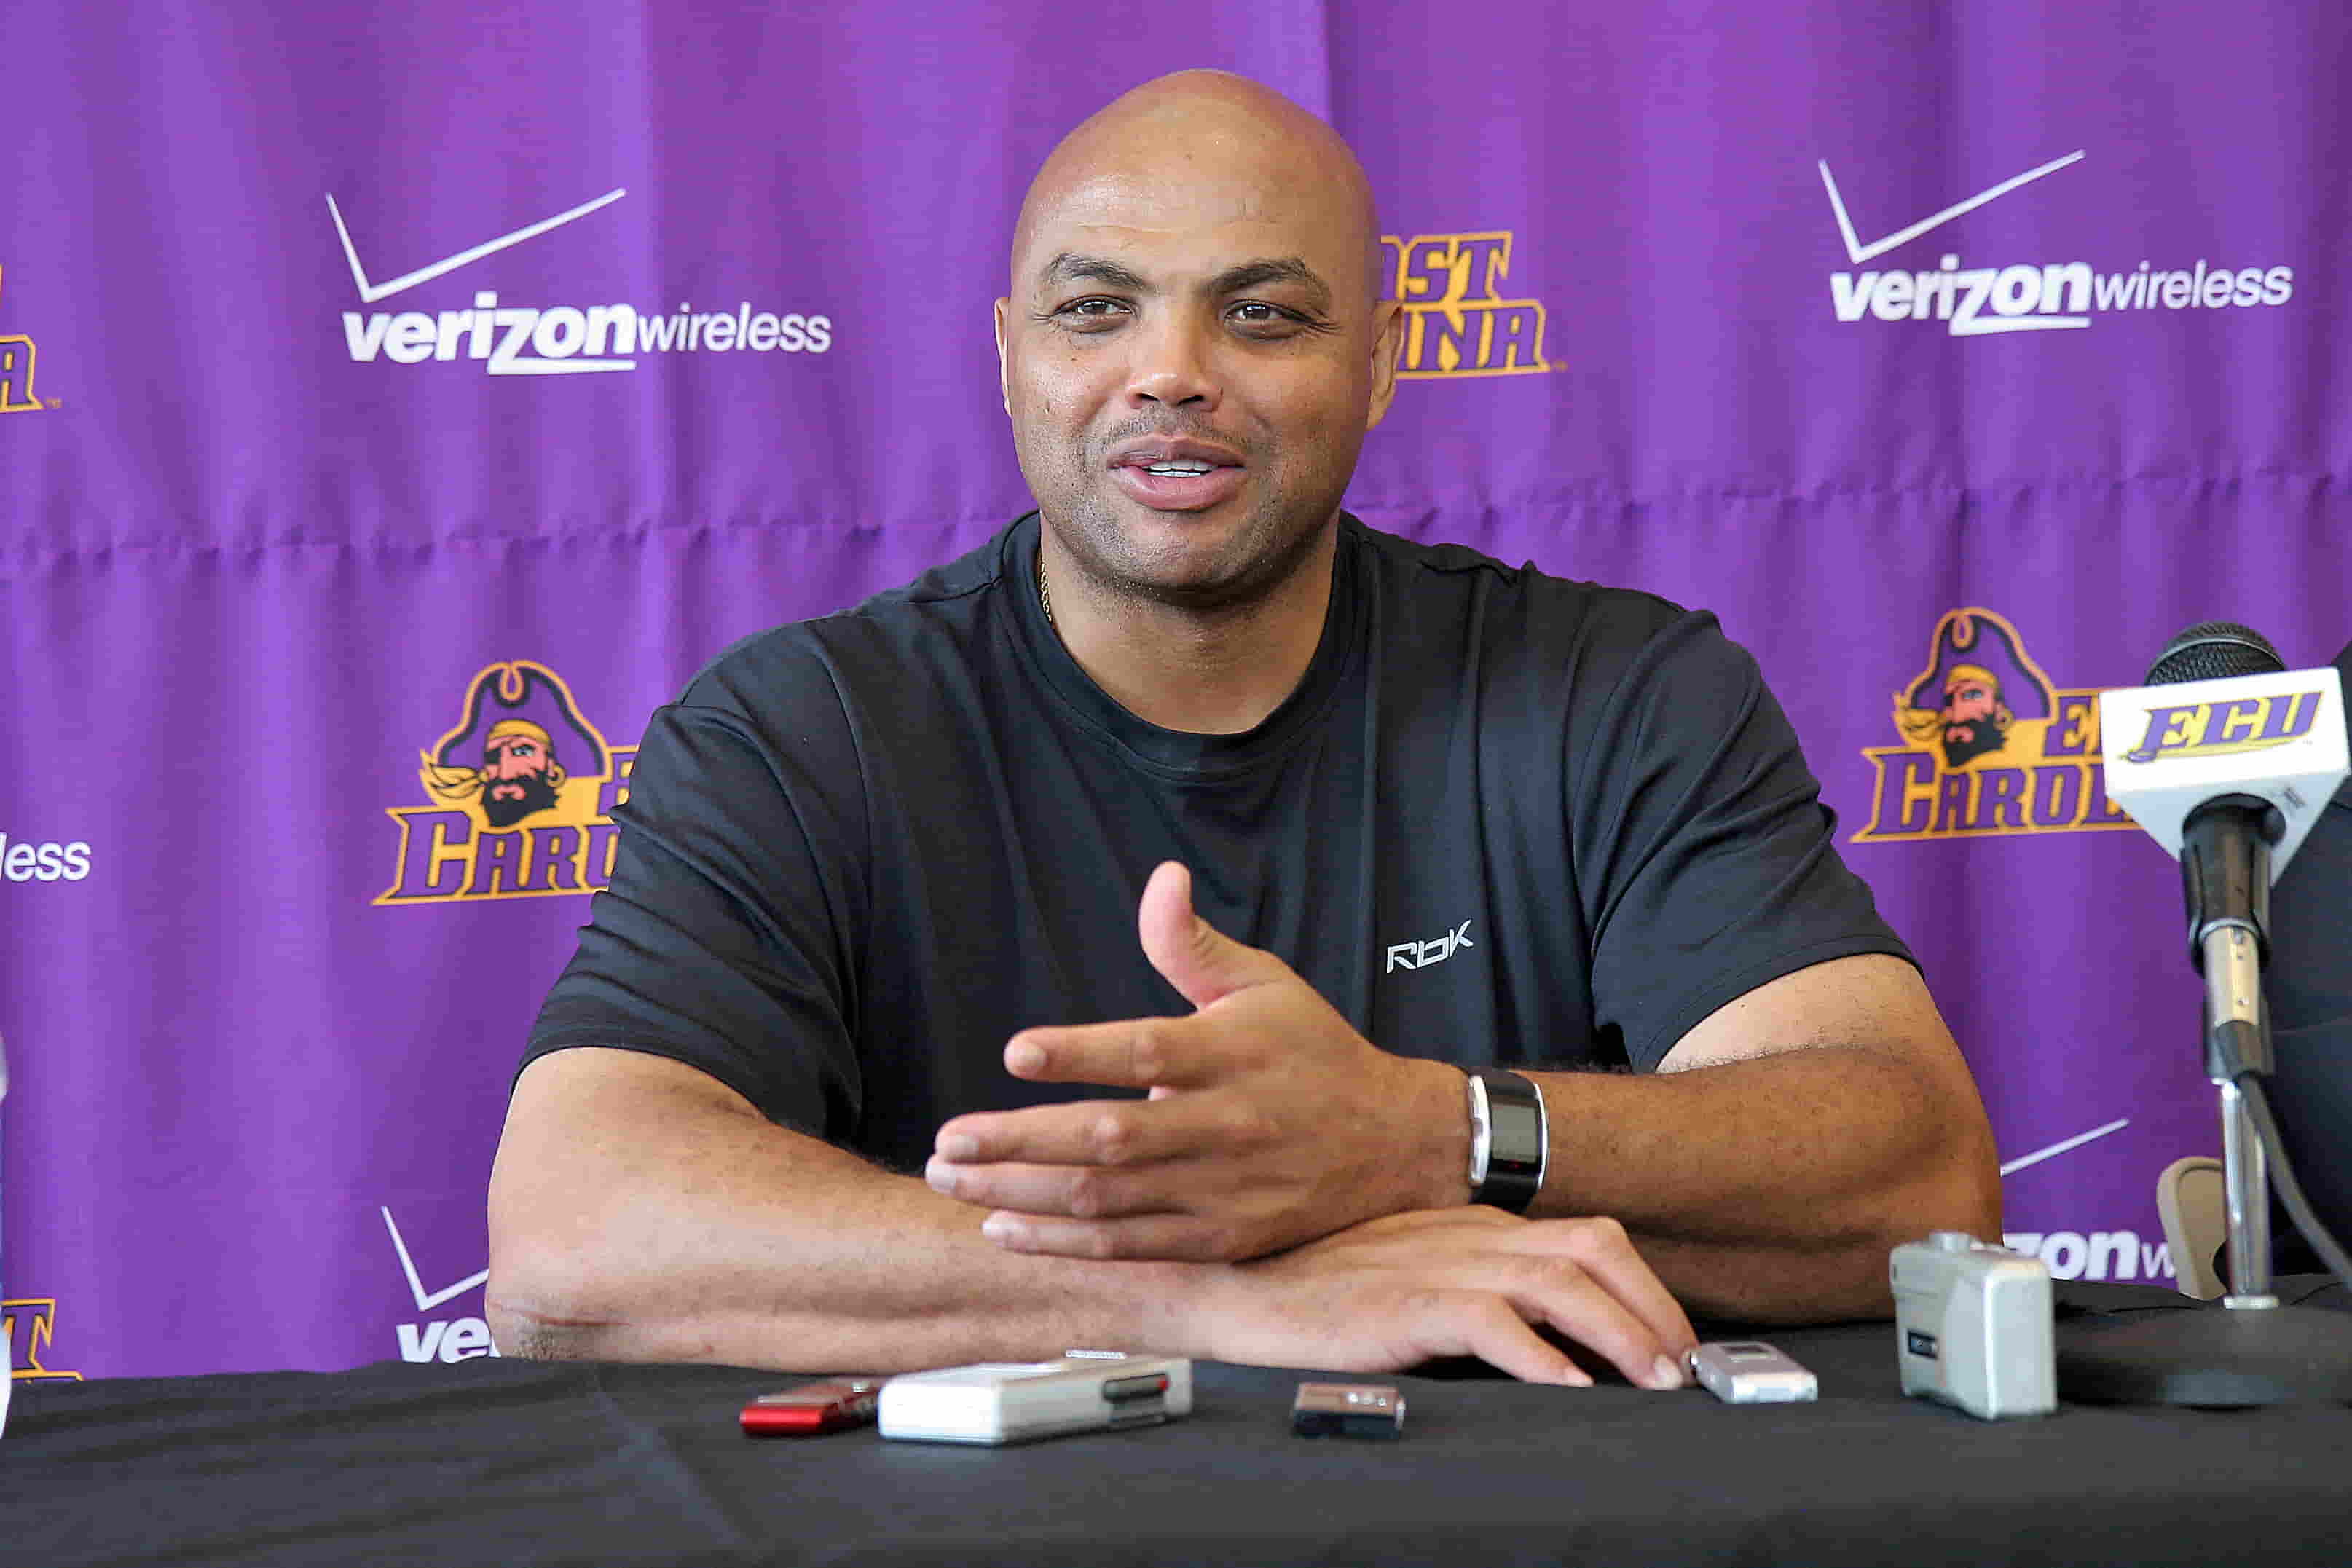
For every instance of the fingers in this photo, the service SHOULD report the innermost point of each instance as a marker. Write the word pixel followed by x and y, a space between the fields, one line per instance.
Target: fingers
pixel 1173 1237
pixel 1584 1278
pixel 1473 1281
pixel 1575 1303
pixel 1603 1249
pixel 1135 1053
pixel 1193 955
pixel 1074 1192
pixel 1466 1322
pixel 1116 1133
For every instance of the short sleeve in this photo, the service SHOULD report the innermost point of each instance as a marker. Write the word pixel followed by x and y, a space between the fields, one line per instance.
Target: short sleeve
pixel 723 941
pixel 1705 858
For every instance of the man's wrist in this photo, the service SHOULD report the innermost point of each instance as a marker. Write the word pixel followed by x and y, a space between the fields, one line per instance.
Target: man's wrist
pixel 1442 1113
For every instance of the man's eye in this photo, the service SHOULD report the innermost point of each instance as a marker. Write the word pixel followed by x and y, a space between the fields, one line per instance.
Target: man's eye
pixel 1265 321
pixel 1093 309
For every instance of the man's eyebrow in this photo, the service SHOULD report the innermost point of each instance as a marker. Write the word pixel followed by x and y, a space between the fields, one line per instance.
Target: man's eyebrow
pixel 1271 269
pixel 1069 268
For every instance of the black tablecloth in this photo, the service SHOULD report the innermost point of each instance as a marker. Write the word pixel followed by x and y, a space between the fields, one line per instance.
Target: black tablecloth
pixel 491 1462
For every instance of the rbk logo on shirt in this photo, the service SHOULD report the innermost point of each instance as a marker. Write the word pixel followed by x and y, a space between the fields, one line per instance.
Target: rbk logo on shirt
pixel 1436 950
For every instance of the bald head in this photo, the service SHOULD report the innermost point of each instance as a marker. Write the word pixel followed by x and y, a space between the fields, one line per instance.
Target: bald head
pixel 1204 148
pixel 1194 344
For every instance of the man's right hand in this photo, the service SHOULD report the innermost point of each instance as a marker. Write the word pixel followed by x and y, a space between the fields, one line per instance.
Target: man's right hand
pixel 1392 1292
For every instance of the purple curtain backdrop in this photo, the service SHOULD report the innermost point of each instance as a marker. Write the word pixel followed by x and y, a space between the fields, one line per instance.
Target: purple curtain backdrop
pixel 1835 318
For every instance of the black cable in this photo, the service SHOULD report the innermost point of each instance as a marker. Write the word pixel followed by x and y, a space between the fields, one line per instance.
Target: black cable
pixel 2289 1191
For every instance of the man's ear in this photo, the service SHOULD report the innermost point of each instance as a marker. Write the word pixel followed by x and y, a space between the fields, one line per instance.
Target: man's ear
pixel 1004 382
pixel 1388 342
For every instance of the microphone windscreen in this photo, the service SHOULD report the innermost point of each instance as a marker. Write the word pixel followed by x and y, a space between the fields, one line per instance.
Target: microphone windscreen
pixel 2214 651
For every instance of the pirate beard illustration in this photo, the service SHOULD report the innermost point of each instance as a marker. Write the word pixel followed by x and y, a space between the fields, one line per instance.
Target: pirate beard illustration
pixel 1975 719
pixel 518 776
pixel 519 773
pixel 1980 670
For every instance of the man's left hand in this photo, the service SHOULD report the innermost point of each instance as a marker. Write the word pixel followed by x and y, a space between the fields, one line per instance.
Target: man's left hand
pixel 1270 1122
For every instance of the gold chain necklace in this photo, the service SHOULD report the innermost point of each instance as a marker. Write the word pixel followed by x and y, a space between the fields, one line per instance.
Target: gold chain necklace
pixel 1044 598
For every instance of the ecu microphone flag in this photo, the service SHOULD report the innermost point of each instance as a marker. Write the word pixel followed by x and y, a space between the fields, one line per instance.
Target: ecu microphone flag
pixel 2278 736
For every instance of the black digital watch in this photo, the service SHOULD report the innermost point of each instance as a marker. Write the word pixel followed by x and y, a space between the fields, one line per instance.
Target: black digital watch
pixel 1509 1141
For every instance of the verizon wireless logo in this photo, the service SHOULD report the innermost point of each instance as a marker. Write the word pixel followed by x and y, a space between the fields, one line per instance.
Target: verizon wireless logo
pixel 436 1339
pixel 510 339
pixel 2026 296
pixel 2089 1253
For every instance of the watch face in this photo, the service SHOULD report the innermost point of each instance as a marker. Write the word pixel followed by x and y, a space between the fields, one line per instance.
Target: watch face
pixel 1518 1136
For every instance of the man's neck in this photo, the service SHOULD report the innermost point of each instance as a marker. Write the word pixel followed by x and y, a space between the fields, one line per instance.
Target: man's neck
pixel 1217 671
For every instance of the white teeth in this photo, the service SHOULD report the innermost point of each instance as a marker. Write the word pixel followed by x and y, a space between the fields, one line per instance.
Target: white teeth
pixel 1177 468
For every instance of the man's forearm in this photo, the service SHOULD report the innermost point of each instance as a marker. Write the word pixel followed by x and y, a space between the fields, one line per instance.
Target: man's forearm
pixel 704 1233
pixel 1773 1187
pixel 641 1211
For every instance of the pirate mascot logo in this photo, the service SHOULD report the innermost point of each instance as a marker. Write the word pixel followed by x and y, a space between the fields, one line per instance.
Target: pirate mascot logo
pixel 521 791
pixel 1990 744
pixel 1980 683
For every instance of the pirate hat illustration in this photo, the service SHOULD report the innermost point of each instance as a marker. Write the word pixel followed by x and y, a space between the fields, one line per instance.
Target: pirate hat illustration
pixel 1973 647
pixel 519 700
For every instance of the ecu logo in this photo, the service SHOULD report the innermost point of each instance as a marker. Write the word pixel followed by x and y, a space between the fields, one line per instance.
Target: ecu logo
pixel 519 797
pixel 2214 730
pixel 1989 745
pixel 1457 320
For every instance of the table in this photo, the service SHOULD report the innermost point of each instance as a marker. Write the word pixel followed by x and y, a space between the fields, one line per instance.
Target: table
pixel 508 1462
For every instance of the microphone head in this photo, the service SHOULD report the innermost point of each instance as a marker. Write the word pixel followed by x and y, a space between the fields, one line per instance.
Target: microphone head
pixel 2214 651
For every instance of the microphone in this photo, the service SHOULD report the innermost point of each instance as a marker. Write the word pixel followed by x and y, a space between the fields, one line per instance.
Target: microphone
pixel 2227 758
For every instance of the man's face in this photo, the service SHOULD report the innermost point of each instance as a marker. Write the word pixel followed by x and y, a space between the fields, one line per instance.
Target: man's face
pixel 1968 726
pixel 1191 359
pixel 514 779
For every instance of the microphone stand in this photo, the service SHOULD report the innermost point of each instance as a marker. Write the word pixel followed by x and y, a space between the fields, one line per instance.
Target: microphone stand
pixel 2250 1350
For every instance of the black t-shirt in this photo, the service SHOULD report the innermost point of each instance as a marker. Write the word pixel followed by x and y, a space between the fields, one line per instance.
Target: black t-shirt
pixel 1505 819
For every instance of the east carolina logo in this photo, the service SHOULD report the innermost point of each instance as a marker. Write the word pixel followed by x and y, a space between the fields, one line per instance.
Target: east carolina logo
pixel 521 796
pixel 1456 321
pixel 2213 729
pixel 1989 745
pixel 26 1326
pixel 16 375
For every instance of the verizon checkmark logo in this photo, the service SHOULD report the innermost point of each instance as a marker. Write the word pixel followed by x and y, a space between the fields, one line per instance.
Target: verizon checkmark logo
pixel 2022 297
pixel 425 1299
pixel 372 292
pixel 437 1339
pixel 1858 253
pixel 552 339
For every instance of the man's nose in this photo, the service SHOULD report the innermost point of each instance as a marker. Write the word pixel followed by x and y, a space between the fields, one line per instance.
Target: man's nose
pixel 1172 366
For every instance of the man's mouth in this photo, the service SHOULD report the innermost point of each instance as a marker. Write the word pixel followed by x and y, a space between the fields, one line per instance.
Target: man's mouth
pixel 506 792
pixel 1176 475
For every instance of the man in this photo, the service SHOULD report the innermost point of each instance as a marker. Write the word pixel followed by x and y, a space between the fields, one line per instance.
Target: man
pixel 878 869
